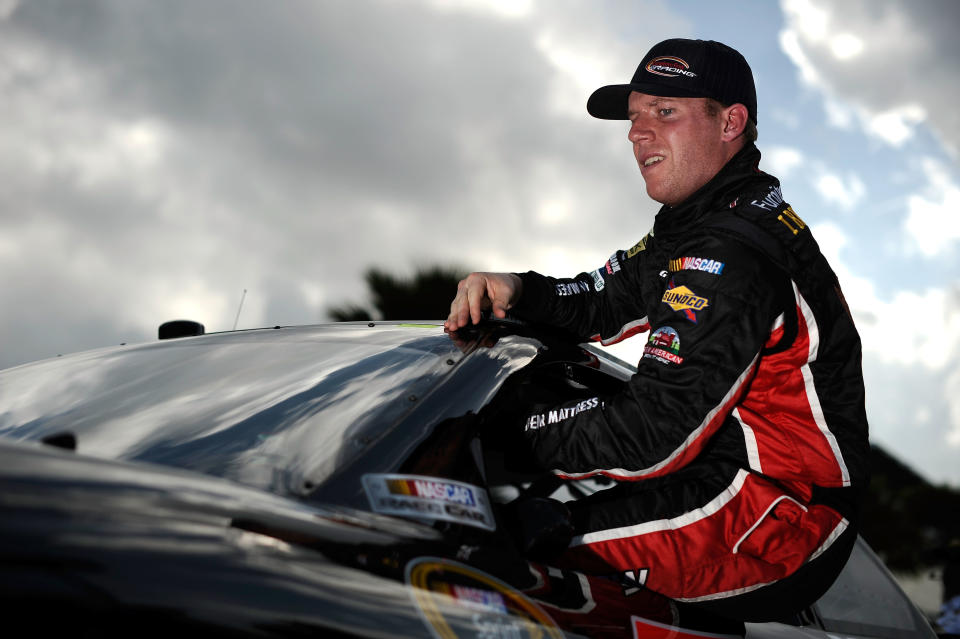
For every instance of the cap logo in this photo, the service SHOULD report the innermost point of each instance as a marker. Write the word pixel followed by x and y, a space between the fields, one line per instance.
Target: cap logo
pixel 669 66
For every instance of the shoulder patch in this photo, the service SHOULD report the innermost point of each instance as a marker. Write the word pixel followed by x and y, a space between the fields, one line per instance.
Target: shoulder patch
pixel 791 220
pixel 770 201
pixel 613 264
pixel 639 246
pixel 773 202
pixel 598 283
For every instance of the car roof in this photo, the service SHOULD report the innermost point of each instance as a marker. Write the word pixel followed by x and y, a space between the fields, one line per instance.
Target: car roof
pixel 275 408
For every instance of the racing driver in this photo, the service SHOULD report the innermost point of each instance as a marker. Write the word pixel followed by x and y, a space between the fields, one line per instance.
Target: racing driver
pixel 740 445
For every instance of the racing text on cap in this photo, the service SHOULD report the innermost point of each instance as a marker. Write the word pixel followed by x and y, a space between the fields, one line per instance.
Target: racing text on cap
pixel 669 66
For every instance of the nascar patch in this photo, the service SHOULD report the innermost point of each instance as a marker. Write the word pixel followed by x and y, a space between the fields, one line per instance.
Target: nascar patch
pixel 430 498
pixel 696 264
pixel 685 301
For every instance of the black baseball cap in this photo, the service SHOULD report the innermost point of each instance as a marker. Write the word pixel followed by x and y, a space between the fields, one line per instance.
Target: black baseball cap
pixel 680 68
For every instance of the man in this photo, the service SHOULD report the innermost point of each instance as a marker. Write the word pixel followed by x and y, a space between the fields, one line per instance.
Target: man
pixel 740 445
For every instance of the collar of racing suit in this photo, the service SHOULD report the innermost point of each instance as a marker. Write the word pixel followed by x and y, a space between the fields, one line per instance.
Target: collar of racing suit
pixel 740 174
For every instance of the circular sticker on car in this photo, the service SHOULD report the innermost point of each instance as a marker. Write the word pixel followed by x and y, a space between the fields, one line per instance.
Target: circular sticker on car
pixel 456 600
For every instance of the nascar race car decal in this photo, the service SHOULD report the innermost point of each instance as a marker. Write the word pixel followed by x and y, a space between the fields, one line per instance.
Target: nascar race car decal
pixel 452 596
pixel 429 498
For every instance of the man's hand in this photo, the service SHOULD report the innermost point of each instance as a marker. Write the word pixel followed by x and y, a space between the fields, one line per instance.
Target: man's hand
pixel 480 291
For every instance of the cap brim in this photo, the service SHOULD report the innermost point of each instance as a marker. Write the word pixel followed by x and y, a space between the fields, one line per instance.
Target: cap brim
pixel 610 102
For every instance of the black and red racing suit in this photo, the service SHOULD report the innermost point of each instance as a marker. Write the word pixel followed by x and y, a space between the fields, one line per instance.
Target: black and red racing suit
pixel 741 442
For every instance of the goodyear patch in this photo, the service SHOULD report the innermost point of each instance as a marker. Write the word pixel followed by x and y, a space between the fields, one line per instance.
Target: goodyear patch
pixel 429 498
pixel 685 301
pixel 696 264
pixel 663 345
pixel 456 600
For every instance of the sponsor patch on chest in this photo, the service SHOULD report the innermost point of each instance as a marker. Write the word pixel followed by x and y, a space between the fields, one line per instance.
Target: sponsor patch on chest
pixel 685 301
pixel 696 264
pixel 663 345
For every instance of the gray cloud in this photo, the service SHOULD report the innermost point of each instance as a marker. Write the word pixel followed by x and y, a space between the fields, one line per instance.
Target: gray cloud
pixel 158 158
pixel 910 56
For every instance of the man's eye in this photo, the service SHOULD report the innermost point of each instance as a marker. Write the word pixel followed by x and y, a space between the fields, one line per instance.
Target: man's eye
pixel 666 111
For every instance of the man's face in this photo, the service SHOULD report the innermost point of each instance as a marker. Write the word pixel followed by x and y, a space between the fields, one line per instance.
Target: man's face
pixel 678 146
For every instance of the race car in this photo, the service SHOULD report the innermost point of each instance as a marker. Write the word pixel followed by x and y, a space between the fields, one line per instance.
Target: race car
pixel 353 479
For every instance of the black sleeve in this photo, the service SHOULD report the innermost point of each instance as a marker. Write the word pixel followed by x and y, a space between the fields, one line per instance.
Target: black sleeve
pixel 605 304
pixel 719 305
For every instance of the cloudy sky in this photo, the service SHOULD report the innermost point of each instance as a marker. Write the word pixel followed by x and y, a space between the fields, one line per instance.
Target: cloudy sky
pixel 159 158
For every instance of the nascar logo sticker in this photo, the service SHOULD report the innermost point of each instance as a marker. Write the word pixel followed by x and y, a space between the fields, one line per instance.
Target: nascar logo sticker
pixel 429 498
pixel 456 600
pixel 683 300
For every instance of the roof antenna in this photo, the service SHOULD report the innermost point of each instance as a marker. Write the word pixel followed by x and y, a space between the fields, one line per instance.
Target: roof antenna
pixel 242 297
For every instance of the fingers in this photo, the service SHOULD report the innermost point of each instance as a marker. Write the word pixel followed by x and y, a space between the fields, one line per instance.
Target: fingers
pixel 460 312
pixel 508 289
pixel 479 291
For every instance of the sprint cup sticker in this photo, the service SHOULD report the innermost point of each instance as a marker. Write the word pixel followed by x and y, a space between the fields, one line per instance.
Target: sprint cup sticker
pixel 456 600
pixel 429 498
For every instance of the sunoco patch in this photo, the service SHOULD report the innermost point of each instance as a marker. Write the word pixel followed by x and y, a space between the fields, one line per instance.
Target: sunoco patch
pixel 429 498
pixel 685 301
pixel 456 600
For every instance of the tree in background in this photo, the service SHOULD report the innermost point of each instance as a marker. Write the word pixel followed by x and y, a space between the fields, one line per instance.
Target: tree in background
pixel 911 523
pixel 425 295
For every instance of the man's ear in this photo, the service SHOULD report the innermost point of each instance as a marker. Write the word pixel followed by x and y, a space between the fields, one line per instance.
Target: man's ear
pixel 734 119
